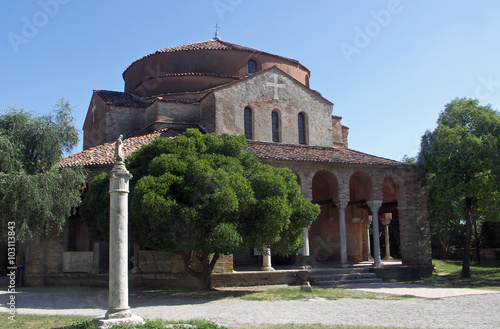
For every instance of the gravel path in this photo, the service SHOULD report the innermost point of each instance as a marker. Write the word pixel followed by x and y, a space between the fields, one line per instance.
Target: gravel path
pixel 475 311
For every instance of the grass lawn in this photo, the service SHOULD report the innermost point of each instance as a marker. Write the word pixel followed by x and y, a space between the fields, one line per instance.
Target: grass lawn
pixel 294 293
pixel 447 274
pixel 75 322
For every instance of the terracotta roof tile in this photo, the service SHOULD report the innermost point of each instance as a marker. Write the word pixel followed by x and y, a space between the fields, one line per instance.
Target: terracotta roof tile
pixel 316 154
pixel 104 154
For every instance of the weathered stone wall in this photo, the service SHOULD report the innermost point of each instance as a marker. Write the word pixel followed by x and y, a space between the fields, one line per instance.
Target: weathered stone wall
pixel 259 95
pixel 168 112
pixel 45 258
pixel 105 123
pixel 208 113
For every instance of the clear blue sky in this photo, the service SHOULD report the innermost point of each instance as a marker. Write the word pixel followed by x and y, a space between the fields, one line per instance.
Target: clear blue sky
pixel 388 66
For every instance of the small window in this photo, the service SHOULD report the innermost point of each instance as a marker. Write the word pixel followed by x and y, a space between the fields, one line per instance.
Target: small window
pixel 276 126
pixel 252 66
pixel 302 128
pixel 248 122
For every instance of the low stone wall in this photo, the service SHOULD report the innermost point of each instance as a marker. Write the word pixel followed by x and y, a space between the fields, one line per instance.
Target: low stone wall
pixel 403 272
pixel 251 278
pixel 487 254
pixel 78 261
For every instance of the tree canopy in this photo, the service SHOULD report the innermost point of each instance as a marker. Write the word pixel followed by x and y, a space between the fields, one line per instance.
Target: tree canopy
pixel 202 194
pixel 462 160
pixel 35 193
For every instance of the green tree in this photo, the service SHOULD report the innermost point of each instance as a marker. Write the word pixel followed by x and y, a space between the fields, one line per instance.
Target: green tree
pixel 203 195
pixel 462 160
pixel 97 218
pixel 35 193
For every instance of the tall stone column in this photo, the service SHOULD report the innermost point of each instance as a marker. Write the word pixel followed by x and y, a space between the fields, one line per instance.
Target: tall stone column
pixel 368 244
pixel 118 310
pixel 305 249
pixel 343 236
pixel 386 220
pixel 375 206
pixel 266 259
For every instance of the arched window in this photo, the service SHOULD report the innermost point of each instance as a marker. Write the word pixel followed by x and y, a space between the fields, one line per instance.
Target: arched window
pixel 252 66
pixel 302 128
pixel 276 126
pixel 248 122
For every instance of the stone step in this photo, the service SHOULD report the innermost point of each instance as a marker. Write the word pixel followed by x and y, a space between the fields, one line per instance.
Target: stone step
pixel 343 276
pixel 337 283
pixel 330 271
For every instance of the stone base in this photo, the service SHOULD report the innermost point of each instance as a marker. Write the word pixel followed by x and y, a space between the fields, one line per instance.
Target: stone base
pixel 104 323
pixel 306 287
pixel 268 268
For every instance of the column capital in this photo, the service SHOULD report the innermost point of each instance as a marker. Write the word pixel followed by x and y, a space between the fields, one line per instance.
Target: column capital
pixel 374 204
pixel 342 204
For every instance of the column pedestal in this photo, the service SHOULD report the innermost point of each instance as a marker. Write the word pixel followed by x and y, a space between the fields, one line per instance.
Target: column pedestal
pixel 266 260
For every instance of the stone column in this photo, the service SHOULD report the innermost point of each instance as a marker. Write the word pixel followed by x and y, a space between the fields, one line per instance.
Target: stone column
pixel 375 206
pixel 95 256
pixel 386 220
pixel 305 249
pixel 368 244
pixel 266 259
pixel 343 237
pixel 136 269
pixel 118 310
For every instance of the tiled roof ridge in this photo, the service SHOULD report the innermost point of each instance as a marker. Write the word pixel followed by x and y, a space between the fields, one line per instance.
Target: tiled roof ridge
pixel 361 158
pixel 120 98
pixel 146 101
pixel 103 154
pixel 211 44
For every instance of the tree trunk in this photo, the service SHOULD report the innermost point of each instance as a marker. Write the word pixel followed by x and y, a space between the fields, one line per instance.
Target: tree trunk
pixel 208 266
pixel 468 225
pixel 477 241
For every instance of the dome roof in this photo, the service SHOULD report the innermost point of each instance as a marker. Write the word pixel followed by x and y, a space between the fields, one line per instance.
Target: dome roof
pixel 201 65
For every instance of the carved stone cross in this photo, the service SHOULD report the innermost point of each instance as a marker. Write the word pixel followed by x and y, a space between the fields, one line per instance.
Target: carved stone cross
pixel 276 86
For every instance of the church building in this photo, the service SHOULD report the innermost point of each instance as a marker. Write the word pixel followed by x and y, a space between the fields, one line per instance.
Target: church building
pixel 371 208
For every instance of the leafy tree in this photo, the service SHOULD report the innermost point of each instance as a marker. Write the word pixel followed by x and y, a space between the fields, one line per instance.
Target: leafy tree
pixel 97 218
pixel 35 193
pixel 203 195
pixel 408 159
pixel 462 159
